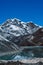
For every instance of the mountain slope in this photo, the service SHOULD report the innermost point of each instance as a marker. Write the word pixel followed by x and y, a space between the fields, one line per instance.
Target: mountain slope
pixel 14 33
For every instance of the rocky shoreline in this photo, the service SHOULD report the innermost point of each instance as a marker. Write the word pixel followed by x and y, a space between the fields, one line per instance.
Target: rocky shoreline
pixel 35 61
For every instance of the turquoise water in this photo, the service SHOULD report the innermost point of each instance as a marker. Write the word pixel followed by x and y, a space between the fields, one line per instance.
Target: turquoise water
pixel 34 52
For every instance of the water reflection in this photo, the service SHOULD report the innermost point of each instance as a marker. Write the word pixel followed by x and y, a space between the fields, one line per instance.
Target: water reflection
pixel 31 52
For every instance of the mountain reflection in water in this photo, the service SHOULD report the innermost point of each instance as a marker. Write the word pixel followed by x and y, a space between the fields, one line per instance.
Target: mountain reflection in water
pixel 34 52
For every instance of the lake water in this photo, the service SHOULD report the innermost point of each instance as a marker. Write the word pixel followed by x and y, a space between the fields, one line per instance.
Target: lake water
pixel 31 52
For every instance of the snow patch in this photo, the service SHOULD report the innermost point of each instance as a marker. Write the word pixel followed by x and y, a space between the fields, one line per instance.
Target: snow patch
pixel 14 27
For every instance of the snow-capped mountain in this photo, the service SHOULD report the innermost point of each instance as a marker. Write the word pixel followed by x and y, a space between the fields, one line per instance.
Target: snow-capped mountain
pixel 15 33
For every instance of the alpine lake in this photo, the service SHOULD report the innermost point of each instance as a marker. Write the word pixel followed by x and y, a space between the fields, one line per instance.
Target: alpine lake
pixel 30 52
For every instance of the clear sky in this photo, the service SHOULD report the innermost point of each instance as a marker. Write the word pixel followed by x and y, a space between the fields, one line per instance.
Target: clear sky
pixel 26 10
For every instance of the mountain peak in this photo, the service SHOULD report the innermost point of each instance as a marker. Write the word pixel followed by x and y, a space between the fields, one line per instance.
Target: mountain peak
pixel 18 22
pixel 31 24
pixel 15 19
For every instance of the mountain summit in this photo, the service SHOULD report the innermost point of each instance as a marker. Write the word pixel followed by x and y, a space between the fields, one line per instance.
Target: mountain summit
pixel 15 33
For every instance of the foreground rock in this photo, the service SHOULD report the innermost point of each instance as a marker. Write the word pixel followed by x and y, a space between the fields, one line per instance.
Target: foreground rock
pixel 37 61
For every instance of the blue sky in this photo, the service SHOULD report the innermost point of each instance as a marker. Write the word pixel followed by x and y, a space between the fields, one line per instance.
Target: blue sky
pixel 26 10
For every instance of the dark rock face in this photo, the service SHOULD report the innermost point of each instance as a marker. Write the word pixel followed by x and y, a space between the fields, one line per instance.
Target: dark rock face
pixel 15 33
pixel 20 63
